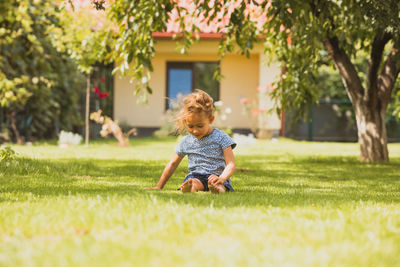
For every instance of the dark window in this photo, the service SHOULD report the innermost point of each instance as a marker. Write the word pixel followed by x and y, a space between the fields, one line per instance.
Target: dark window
pixel 184 77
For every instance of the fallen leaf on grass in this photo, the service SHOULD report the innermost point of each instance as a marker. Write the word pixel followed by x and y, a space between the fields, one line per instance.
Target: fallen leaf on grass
pixel 80 231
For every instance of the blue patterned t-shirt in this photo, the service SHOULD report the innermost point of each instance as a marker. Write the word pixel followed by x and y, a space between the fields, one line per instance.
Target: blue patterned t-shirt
pixel 206 154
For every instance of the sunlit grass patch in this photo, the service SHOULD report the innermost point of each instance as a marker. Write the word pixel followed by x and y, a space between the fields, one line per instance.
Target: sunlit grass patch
pixel 296 203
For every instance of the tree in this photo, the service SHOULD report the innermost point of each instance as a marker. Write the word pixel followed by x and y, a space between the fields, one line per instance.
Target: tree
pixel 37 83
pixel 296 32
pixel 86 36
pixel 344 29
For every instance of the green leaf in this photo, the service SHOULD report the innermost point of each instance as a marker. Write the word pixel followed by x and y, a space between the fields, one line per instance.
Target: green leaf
pixel 130 56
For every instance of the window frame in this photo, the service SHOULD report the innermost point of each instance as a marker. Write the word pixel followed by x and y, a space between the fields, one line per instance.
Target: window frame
pixel 186 65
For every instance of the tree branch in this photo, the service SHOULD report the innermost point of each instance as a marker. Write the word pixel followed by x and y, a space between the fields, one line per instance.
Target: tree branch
pixel 378 46
pixel 388 76
pixel 346 69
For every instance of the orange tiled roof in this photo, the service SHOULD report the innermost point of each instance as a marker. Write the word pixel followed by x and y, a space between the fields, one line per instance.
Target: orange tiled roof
pixel 215 28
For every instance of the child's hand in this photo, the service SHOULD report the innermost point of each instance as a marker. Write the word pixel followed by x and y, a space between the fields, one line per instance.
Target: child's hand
pixel 215 180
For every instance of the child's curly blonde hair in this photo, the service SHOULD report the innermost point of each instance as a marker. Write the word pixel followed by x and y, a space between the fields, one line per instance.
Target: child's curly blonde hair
pixel 194 103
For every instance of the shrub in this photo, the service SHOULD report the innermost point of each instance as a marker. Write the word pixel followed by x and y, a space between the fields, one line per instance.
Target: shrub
pixel 6 154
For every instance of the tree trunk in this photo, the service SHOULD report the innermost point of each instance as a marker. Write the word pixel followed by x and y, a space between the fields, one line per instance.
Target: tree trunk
pixel 370 103
pixel 87 110
pixel 372 135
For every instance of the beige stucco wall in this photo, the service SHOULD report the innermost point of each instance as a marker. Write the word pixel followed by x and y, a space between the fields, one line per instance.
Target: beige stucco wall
pixel 268 74
pixel 241 79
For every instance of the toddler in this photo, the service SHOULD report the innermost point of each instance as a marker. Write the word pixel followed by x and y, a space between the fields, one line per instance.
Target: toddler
pixel 209 150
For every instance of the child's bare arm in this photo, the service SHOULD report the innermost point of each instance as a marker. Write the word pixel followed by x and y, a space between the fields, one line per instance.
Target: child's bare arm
pixel 168 171
pixel 229 167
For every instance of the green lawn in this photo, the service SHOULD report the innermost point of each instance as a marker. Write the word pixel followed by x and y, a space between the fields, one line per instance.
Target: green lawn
pixel 296 204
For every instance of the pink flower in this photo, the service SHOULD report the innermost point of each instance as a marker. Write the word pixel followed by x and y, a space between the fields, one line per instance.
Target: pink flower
pixel 103 79
pixel 96 90
pixel 261 111
pixel 103 95
pixel 261 89
pixel 268 5
pixel 244 100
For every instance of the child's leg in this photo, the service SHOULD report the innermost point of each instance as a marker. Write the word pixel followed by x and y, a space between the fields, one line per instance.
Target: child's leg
pixel 216 189
pixel 192 185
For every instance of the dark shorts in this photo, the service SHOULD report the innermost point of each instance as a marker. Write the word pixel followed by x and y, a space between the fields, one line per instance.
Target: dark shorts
pixel 204 180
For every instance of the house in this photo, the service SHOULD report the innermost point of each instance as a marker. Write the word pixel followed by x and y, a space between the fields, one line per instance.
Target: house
pixel 176 73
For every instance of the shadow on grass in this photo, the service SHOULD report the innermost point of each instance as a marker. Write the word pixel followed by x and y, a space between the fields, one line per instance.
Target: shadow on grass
pixel 264 181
